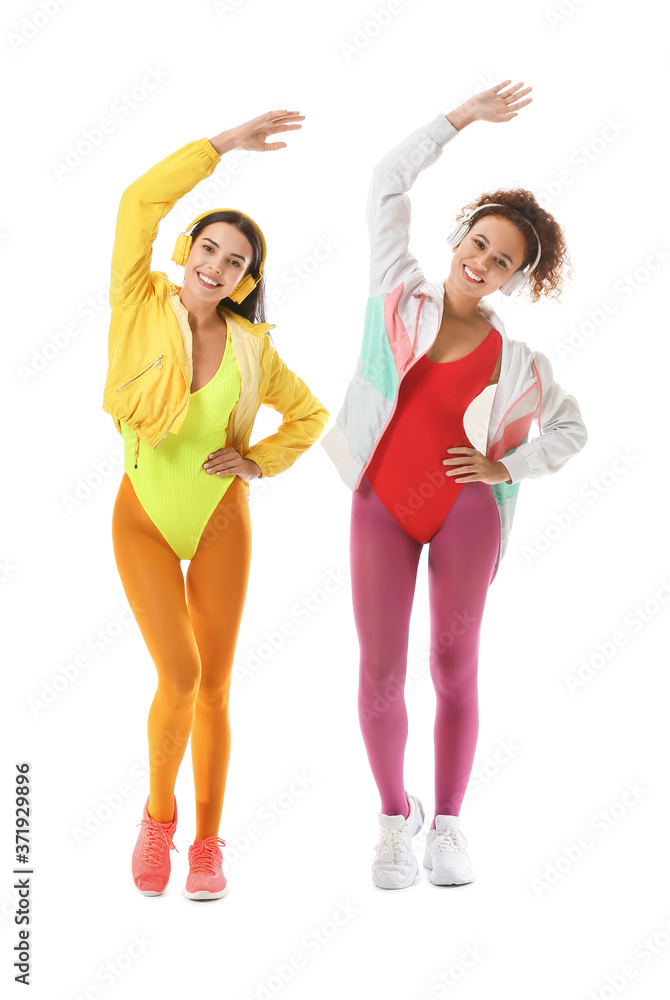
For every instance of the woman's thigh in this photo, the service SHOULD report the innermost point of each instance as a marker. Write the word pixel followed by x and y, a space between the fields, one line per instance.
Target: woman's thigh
pixel 461 559
pixel 153 582
pixel 217 578
pixel 384 561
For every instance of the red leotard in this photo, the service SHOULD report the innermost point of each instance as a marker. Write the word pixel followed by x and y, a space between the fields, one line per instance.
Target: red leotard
pixel 406 470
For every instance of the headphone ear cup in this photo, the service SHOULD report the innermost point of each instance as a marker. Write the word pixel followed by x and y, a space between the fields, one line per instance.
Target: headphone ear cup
pixel 182 248
pixel 517 282
pixel 243 288
pixel 455 237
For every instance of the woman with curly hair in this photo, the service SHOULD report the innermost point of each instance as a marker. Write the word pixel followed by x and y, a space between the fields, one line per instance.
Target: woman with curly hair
pixel 433 440
pixel 189 367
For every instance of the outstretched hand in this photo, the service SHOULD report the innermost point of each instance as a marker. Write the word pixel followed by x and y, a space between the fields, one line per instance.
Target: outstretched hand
pixel 496 104
pixel 252 134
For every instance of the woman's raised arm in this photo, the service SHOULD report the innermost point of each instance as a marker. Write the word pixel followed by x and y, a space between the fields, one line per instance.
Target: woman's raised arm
pixel 149 199
pixel 389 210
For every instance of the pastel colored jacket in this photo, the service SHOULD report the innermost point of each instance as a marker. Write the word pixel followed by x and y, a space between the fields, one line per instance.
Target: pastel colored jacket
pixel 150 339
pixel 402 319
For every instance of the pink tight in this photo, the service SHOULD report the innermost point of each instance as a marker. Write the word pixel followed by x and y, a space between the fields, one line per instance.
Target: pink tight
pixel 384 560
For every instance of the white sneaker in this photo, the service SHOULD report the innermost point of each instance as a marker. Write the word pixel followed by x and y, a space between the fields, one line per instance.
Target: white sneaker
pixel 395 865
pixel 445 853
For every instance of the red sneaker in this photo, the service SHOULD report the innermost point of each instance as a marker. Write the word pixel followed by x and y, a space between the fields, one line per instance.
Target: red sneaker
pixel 205 878
pixel 151 857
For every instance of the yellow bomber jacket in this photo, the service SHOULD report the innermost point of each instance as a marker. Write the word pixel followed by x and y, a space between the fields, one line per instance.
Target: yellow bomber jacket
pixel 150 363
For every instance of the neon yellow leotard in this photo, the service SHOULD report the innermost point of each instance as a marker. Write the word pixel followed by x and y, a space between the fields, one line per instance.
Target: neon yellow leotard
pixel 175 491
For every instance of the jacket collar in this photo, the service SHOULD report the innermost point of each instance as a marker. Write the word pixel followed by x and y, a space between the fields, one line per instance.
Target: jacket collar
pixel 232 317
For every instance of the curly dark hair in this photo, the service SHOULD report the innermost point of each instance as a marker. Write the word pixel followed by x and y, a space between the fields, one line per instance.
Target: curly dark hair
pixel 547 278
pixel 253 306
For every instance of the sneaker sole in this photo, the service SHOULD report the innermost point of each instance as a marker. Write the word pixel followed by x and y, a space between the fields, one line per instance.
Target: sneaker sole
pixel 446 879
pixel 203 894
pixel 151 892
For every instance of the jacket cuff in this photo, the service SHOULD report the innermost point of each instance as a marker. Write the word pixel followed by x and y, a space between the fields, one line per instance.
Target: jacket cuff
pixel 209 150
pixel 441 130
pixel 265 469
pixel 517 466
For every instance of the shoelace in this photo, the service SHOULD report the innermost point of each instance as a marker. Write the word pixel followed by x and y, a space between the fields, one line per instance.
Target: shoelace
pixel 154 844
pixel 450 841
pixel 393 840
pixel 202 857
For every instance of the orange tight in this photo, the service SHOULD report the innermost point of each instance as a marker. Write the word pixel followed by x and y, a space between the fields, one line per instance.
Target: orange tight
pixel 190 633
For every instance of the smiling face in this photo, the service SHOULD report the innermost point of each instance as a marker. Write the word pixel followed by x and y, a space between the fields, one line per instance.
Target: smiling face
pixel 219 253
pixel 491 251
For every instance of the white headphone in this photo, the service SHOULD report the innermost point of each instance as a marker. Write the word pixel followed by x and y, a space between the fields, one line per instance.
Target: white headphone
pixel 519 279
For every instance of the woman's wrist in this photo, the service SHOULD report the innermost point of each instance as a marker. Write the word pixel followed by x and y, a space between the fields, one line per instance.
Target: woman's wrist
pixel 461 116
pixel 256 470
pixel 225 141
pixel 504 471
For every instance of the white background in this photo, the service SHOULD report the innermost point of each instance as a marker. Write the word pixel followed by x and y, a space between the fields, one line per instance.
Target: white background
pixel 544 918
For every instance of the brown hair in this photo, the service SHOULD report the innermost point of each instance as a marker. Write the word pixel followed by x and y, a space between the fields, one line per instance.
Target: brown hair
pixel 519 205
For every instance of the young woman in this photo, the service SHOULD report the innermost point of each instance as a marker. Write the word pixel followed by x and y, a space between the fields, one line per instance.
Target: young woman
pixel 189 367
pixel 436 376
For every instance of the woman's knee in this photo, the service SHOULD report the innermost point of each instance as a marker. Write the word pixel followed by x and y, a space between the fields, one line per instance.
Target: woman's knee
pixel 179 682
pixel 453 669
pixel 214 693
pixel 377 677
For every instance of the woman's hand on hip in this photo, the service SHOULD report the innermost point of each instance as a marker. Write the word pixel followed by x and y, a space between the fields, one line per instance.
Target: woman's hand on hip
pixel 475 467
pixel 252 134
pixel 228 462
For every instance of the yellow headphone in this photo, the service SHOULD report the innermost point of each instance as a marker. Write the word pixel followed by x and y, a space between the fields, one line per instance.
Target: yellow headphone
pixel 182 248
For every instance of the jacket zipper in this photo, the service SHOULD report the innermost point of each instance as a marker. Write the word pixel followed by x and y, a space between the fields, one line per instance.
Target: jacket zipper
pixel 258 394
pixel 137 438
pixel 158 363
